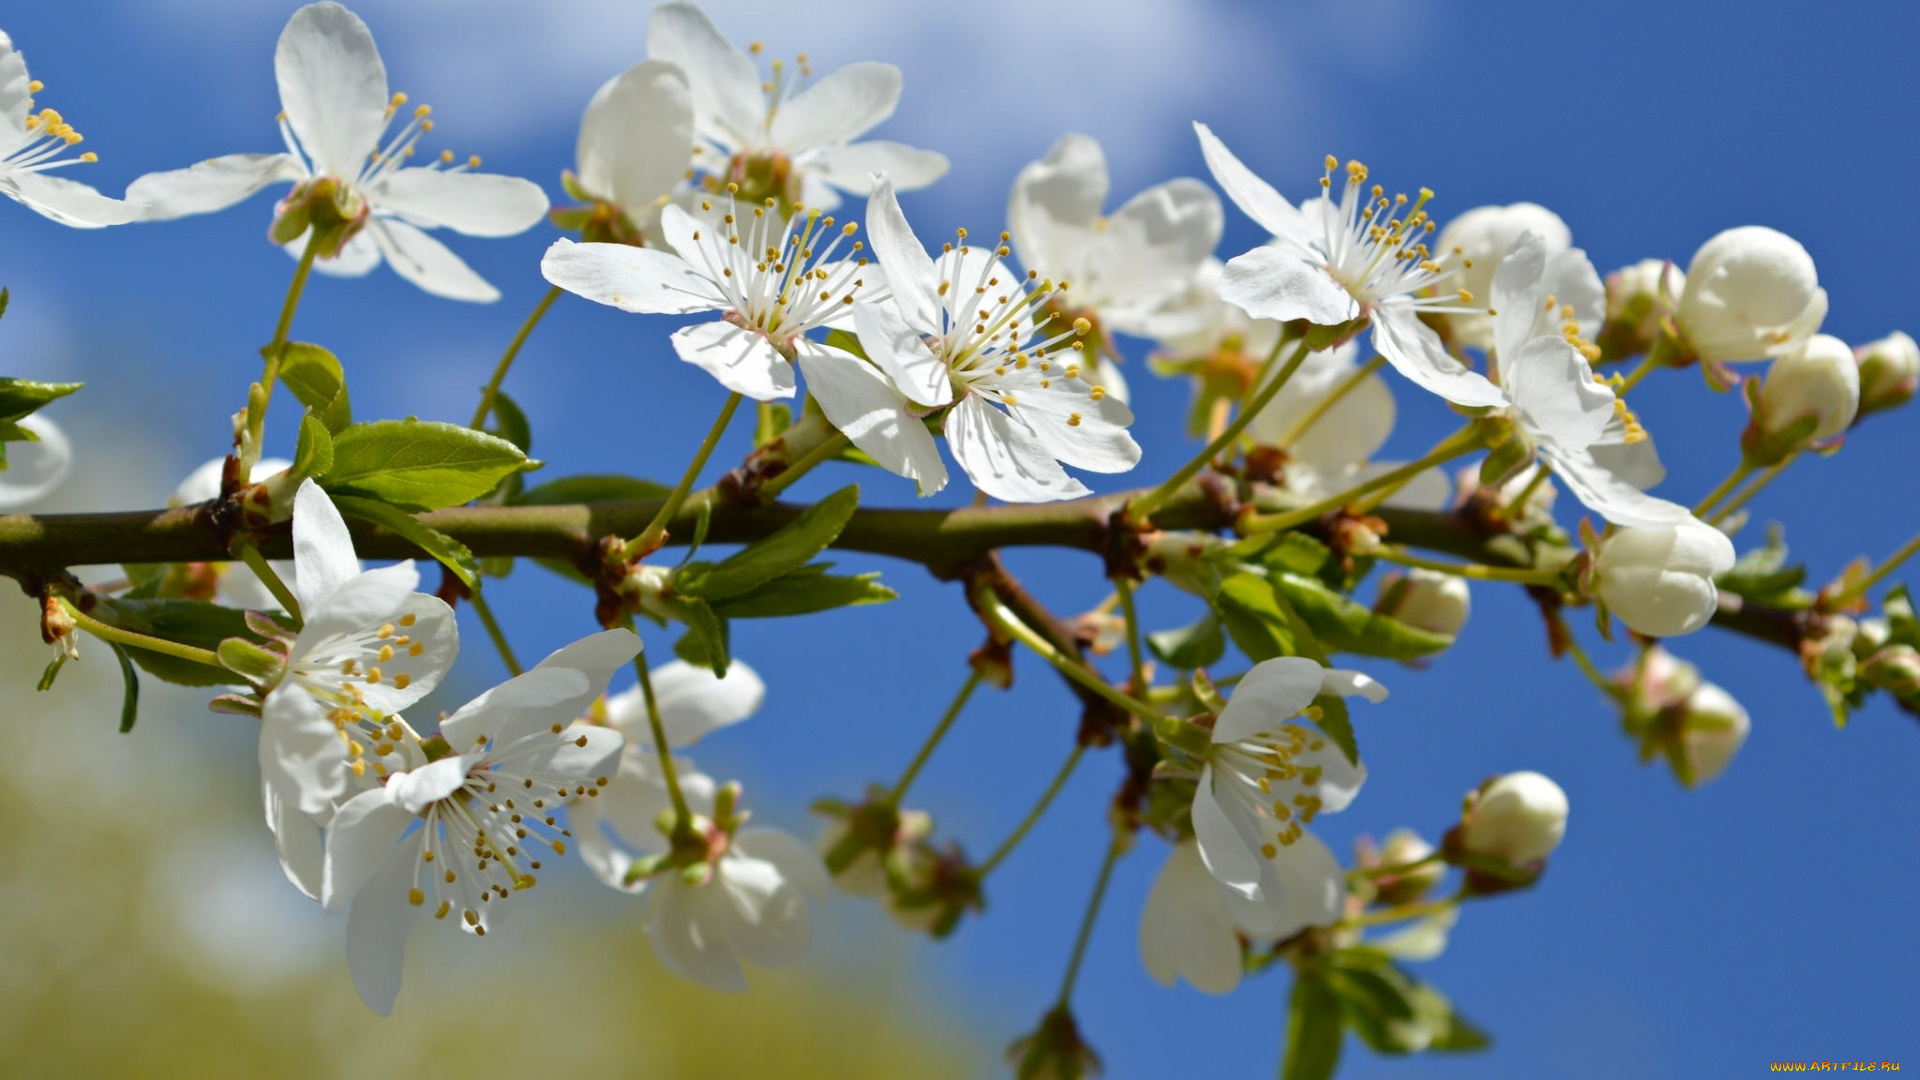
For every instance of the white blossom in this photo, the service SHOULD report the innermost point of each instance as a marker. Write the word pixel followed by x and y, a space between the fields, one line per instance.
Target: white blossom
pixel 1427 599
pixel 1889 371
pixel 751 907
pixel 635 145
pixel 1660 581
pixel 333 88
pixel 1481 237
pixel 1192 924
pixel 33 143
pixel 1750 293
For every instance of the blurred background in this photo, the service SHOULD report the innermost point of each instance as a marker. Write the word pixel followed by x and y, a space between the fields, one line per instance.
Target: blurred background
pixel 145 928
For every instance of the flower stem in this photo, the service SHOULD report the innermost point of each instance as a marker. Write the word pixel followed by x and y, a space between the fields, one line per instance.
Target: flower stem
pixel 1009 623
pixel 1114 851
pixel 1653 359
pixel 1124 590
pixel 1586 665
pixel 487 620
pixel 1732 481
pixel 682 816
pixel 1476 571
pixel 1143 507
pixel 492 389
pixel 256 425
pixel 1464 441
pixel 933 740
pixel 1518 504
pixel 1327 403
pixel 107 632
pixel 656 530
pixel 1752 489
pixel 1396 869
pixel 1859 588
pixel 830 447
pixel 1033 816
pixel 263 570
pixel 1404 912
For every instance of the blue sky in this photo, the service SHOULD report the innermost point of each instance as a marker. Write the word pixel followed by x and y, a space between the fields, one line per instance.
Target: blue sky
pixel 1766 916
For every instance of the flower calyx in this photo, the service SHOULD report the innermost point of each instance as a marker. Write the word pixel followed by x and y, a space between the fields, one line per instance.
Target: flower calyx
pixel 1053 1051
pixel 336 212
pixel 596 220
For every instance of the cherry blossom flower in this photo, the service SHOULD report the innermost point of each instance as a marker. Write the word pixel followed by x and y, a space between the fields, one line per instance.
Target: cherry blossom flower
pixel 967 335
pixel 785 136
pixel 351 178
pixel 1192 924
pixel 635 144
pixel 460 832
pixel 33 143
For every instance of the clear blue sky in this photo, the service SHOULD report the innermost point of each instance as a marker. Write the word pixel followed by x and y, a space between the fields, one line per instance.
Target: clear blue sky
pixel 1767 916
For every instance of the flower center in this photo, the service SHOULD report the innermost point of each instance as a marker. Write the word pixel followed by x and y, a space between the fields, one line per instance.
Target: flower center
pixel 1262 767
pixel 1374 244
pixel 777 272
pixel 991 316
pixel 47 135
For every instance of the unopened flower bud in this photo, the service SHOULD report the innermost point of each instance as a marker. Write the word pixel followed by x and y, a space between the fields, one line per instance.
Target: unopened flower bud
pixel 1821 380
pixel 1639 298
pixel 1054 1051
pixel 1426 599
pixel 1482 236
pixel 1713 727
pixel 1180 557
pixel 1519 817
pixel 1889 372
pixel 1660 581
pixel 1895 669
pixel 1404 847
pixel 1750 293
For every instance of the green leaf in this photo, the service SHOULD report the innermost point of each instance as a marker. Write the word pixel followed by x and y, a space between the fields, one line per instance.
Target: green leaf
pixel 1763 574
pixel 419 464
pixel 846 342
pixel 4 297
pixel 591 488
pixel 1394 1012
pixel 1345 626
pixel 773 422
pixel 1252 617
pixel 313 453
pixel 711 630
pixel 19 397
pixel 1902 627
pixel 510 423
pixel 1197 646
pixel 130 704
pixel 53 671
pixel 451 553
pixel 1296 553
pixel 787 549
pixel 803 592
pixel 1338 724
pixel 316 379
pixel 189 622
pixel 1313 1030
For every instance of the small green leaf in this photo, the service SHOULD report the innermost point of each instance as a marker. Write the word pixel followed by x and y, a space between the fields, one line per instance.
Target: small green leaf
pixel 846 342
pixel 4 298
pixel 1296 553
pixel 1337 722
pixel 316 379
pixel 1313 1030
pixel 313 452
pixel 1345 626
pixel 419 464
pixel 189 622
pixel 1197 646
pixel 593 488
pixel 510 423
pixel 451 553
pixel 711 630
pixel 787 549
pixel 19 397
pixel 803 592
pixel 53 672
pixel 1252 617
pixel 1377 1002
pixel 130 704
pixel 774 420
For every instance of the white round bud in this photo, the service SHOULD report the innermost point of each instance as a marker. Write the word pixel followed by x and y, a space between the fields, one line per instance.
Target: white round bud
pixel 1750 293
pixel 1641 293
pixel 1713 730
pixel 1821 380
pixel 1660 581
pixel 1482 236
pixel 1426 599
pixel 1889 371
pixel 1519 817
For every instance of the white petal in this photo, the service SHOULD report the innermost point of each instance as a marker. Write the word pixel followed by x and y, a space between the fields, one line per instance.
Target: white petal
pixel 1352 684
pixel 910 271
pixel 636 138
pixel 416 789
pixel 1004 458
pixel 68 202
pixel 839 107
pixel 1634 463
pixel 796 860
pixel 1269 283
pixel 645 280
pixel 1308 884
pixel 764 916
pixel 1054 205
pixel 1554 395
pixel 470 203
pixel 566 759
pixel 1185 928
pixel 1228 855
pixel 1071 424
pixel 1608 495
pixel 604 859
pixel 1518 286
pixel 359 608
pixel 333 87
pixel 901 352
pixel 35 468
pixel 427 263
pixel 742 360
pixel 296 839
pixel 377 929
pixel 300 752
pixel 868 410
pixel 694 701
pixel 16 96
pixel 518 707
pixel 1269 695
pixel 728 102
pixel 360 842
pixel 1574 283
pixel 322 547
pixel 1149 249
pixel 357 258
pixel 684 923
pixel 1254 196
pixel 214 184
pixel 1415 351
pixel 597 656
pixel 851 167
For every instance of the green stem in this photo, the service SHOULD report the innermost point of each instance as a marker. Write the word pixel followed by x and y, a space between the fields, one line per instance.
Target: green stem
pixel 263 570
pixel 1476 571
pixel 933 740
pixel 1403 912
pixel 1652 360
pixel 1759 483
pixel 1033 816
pixel 682 816
pixel 656 530
pixel 1464 441
pixel 257 421
pixel 1114 851
pixel 1586 665
pixel 492 389
pixel 1326 404
pixel 1008 623
pixel 1397 868
pixel 106 632
pixel 1726 486
pixel 1518 504
pixel 1859 588
pixel 487 620
pixel 827 448
pixel 1143 508
pixel 1124 590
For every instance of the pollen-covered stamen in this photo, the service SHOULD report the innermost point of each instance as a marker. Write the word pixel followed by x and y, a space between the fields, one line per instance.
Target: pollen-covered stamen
pixel 1264 774
pixel 337 669
pixel 777 273
pixel 48 136
pixel 1374 245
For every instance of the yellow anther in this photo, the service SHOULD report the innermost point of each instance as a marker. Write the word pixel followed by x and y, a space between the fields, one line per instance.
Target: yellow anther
pixel 386 653
pixel 1332 162
pixel 755 48
pixel 426 856
pixel 1097 393
pixel 36 86
pixel 401 680
pixel 559 847
pixel 422 112
pixel 1081 326
pixel 385 631
pixel 1269 850
pixel 426 125
pixel 1466 297
pixel 409 619
pixel 373 676
pixel 416 897
pixel 473 162
pixel 446 157
pixel 581 741
pixel 1073 419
